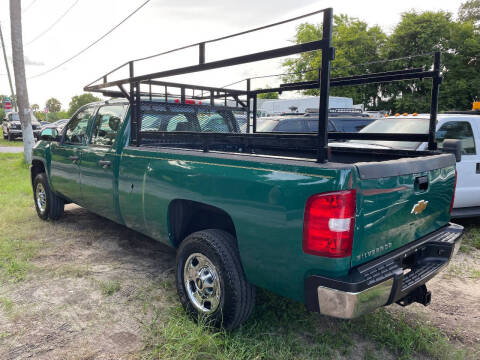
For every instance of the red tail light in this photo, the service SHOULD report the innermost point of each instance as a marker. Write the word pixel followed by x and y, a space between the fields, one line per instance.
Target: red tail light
pixel 454 189
pixel 328 224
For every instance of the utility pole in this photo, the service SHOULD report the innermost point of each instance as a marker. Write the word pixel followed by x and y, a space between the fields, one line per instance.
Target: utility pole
pixel 20 80
pixel 12 93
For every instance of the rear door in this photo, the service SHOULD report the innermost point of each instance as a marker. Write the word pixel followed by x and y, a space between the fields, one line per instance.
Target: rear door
pixel 468 182
pixel 99 160
pixel 67 156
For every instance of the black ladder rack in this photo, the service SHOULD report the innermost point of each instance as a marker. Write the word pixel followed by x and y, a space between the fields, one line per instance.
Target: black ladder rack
pixel 246 100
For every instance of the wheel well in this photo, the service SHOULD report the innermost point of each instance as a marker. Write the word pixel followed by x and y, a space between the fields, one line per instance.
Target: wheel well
pixel 186 216
pixel 36 168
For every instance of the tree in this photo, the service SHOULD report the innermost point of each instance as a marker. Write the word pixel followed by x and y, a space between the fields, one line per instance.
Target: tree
pixel 355 42
pixel 269 95
pixel 79 100
pixel 470 11
pixel 20 79
pixel 420 33
pixel 35 108
pixel 53 105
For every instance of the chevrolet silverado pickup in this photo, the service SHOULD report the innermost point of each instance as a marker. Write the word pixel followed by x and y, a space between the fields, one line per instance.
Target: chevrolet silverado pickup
pixel 343 230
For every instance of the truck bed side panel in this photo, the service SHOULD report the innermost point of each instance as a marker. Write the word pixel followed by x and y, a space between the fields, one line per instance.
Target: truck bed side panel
pixel 265 201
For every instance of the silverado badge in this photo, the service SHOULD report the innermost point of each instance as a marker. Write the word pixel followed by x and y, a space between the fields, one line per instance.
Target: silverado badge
pixel 419 207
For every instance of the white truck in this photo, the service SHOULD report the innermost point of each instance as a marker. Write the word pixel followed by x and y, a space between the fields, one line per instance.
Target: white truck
pixel 463 126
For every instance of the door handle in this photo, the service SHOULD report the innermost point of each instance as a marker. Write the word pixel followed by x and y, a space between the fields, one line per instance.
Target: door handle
pixel 421 183
pixel 74 158
pixel 105 163
pixel 477 170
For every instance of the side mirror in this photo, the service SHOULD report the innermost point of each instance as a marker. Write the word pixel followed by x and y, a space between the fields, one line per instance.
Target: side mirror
pixel 49 134
pixel 454 147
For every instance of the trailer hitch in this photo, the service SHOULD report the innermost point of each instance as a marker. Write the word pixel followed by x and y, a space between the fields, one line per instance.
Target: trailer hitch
pixel 420 295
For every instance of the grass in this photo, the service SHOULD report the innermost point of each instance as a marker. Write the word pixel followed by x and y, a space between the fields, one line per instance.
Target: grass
pixel 471 236
pixel 17 246
pixel 283 329
pixel 404 336
pixel 4 142
pixel 278 329
pixel 6 304
pixel 108 288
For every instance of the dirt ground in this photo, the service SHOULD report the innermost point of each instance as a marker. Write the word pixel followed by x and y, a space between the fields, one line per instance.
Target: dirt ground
pixel 65 310
pixel 87 296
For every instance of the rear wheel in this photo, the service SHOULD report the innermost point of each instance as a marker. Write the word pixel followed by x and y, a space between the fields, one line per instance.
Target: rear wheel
pixel 211 283
pixel 47 204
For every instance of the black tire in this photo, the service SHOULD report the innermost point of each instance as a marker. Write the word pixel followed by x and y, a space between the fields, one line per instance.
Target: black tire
pixel 53 206
pixel 237 296
pixel 9 136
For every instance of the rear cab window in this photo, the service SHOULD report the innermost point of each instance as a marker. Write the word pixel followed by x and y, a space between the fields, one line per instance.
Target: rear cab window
pixel 179 118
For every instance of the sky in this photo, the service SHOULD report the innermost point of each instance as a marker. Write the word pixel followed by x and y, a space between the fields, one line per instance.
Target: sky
pixel 162 25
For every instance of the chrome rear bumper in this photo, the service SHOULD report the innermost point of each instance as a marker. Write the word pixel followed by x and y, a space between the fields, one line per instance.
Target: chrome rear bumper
pixel 385 280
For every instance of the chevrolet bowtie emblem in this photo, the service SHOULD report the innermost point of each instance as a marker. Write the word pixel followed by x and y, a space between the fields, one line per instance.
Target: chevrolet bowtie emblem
pixel 419 207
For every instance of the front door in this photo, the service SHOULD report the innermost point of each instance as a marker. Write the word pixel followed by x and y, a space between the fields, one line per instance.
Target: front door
pixel 67 156
pixel 99 162
pixel 467 193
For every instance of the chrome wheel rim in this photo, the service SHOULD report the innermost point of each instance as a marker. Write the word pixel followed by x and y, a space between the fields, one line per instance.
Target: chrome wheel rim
pixel 202 283
pixel 41 197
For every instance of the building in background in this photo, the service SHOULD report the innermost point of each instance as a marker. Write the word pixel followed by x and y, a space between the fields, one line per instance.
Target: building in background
pixel 268 107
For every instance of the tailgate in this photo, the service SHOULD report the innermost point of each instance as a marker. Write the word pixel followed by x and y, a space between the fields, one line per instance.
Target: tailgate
pixel 399 201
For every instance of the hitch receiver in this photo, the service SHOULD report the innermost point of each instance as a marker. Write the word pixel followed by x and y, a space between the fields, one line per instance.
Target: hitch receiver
pixel 420 295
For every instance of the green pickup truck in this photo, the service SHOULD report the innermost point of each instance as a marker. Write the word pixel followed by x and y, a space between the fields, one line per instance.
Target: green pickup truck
pixel 345 231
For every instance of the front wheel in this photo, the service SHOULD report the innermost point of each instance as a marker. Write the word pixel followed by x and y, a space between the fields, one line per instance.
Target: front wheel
pixel 210 280
pixel 47 204
pixel 9 136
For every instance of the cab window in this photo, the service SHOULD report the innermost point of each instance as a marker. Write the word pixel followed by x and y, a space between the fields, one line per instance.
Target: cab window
pixel 76 129
pixel 459 130
pixel 106 124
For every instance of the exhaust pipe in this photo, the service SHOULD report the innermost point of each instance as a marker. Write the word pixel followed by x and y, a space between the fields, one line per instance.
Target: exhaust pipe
pixel 420 295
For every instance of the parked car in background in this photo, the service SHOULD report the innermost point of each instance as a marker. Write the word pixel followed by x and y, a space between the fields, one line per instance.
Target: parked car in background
pixel 463 126
pixel 59 125
pixel 289 123
pixel 341 120
pixel 12 128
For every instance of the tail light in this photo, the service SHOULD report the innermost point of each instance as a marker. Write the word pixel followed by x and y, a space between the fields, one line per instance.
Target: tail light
pixel 454 189
pixel 328 224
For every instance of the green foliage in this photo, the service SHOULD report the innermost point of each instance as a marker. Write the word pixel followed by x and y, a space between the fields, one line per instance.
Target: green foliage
pixel 416 33
pixel 269 95
pixel 53 105
pixel 52 116
pixel 80 100
pixel 355 43
pixel 470 11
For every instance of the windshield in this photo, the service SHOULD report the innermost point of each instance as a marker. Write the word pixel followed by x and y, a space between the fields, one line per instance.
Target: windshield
pixel 395 126
pixel 13 117
pixel 266 125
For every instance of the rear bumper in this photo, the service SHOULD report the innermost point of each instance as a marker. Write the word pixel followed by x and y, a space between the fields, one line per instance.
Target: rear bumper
pixel 385 280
